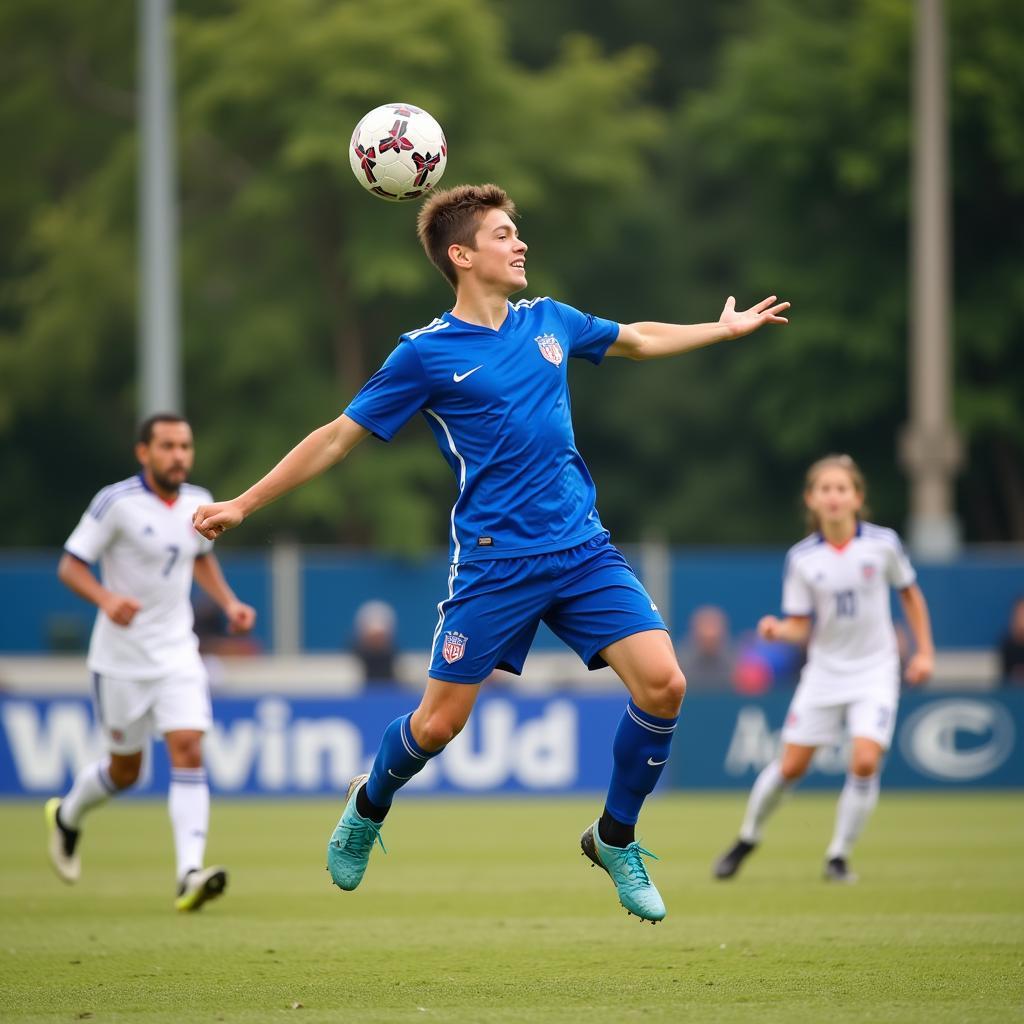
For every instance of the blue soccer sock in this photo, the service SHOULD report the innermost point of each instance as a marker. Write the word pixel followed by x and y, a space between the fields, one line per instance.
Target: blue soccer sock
pixel 640 750
pixel 398 759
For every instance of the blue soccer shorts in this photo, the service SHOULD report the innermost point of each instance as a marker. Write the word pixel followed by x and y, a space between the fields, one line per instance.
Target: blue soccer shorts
pixel 588 596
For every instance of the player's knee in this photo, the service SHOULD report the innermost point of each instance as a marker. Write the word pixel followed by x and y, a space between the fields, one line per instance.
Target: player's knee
pixel 864 764
pixel 436 731
pixel 664 692
pixel 186 752
pixel 124 771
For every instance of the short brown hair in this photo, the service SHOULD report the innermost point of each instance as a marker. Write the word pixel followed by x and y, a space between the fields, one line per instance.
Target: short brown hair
pixel 146 426
pixel 835 461
pixel 452 216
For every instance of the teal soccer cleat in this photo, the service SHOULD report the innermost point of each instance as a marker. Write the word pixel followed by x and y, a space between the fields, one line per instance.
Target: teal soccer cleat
pixel 626 869
pixel 348 851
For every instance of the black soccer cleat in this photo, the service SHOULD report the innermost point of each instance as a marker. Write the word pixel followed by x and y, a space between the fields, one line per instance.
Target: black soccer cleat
pixel 729 863
pixel 837 870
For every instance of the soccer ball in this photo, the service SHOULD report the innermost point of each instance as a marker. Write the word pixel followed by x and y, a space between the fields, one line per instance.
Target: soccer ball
pixel 398 152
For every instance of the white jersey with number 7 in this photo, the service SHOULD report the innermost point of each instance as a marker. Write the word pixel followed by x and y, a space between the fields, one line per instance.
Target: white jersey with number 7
pixel 146 548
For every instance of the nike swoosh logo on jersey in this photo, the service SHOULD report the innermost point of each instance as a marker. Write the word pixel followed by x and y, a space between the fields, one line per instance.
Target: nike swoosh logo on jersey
pixel 653 763
pixel 460 377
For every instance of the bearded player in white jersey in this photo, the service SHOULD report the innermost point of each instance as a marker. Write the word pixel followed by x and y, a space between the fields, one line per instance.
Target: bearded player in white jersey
pixel 836 595
pixel 144 656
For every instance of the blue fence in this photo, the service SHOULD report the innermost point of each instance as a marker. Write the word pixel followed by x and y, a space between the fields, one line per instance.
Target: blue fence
pixel 561 744
pixel 970 599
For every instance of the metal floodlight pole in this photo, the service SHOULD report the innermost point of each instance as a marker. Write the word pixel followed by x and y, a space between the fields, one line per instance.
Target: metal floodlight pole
pixel 930 444
pixel 159 353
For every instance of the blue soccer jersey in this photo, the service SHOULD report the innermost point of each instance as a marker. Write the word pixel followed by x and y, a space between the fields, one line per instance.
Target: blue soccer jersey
pixel 498 404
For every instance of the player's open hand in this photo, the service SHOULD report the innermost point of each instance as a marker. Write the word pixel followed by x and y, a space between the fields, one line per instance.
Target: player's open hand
pixel 919 669
pixel 212 520
pixel 120 609
pixel 241 617
pixel 742 322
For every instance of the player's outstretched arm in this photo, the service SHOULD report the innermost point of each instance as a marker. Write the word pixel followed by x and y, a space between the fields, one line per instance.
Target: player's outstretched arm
pixel 309 458
pixel 915 608
pixel 651 340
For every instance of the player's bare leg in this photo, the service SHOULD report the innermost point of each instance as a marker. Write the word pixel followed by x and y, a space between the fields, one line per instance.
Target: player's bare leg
pixel 856 802
pixel 94 785
pixel 188 803
pixel 776 778
pixel 647 664
pixel 407 745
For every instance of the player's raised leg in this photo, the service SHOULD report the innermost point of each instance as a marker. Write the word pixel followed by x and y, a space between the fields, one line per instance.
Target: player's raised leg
pixel 405 748
pixel 647 664
pixel 188 804
pixel 93 785
pixel 856 803
pixel 774 781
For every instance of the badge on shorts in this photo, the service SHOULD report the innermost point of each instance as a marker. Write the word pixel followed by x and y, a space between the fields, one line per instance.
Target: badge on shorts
pixel 454 646
pixel 549 348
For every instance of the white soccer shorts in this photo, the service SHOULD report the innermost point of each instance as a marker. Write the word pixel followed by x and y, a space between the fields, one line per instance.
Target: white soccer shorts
pixel 810 723
pixel 130 711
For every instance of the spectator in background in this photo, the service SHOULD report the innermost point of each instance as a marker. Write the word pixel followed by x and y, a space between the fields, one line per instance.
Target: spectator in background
pixel 706 653
pixel 763 665
pixel 374 643
pixel 1011 650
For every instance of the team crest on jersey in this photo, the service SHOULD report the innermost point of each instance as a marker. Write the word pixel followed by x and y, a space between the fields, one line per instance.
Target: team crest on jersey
pixel 868 569
pixel 549 348
pixel 454 646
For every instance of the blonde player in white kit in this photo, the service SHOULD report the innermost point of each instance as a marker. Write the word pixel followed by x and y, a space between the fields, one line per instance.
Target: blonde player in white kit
pixel 836 594
pixel 143 655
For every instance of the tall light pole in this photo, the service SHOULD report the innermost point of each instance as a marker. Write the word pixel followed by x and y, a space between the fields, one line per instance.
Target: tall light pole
pixel 159 351
pixel 930 444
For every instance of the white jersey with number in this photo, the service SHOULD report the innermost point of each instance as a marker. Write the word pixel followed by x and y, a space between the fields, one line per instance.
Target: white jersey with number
pixel 146 549
pixel 853 643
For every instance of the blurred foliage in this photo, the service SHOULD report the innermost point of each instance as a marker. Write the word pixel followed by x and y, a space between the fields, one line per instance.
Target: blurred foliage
pixel 663 157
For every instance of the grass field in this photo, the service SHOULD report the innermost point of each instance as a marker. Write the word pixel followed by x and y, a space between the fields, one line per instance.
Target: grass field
pixel 484 911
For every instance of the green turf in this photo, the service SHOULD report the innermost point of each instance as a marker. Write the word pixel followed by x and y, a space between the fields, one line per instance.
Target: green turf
pixel 484 911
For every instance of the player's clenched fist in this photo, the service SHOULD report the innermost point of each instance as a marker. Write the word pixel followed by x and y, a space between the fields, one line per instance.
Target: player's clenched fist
pixel 769 627
pixel 212 520
pixel 120 609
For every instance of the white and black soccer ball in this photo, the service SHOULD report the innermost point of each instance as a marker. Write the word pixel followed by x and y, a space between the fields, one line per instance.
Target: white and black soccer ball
pixel 398 152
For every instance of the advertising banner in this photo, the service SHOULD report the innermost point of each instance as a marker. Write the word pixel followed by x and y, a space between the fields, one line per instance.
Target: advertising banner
pixel 558 744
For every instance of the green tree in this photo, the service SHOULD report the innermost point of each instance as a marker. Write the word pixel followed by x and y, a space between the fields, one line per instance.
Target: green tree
pixel 789 172
pixel 295 281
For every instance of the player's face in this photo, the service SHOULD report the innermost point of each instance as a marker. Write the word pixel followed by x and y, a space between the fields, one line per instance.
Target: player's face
pixel 499 254
pixel 833 496
pixel 169 455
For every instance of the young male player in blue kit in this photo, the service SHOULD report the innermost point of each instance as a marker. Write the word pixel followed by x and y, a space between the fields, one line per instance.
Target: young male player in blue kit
pixel 527 544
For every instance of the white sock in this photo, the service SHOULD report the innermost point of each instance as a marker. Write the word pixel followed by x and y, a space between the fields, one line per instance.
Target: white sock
pixel 188 801
pixel 856 802
pixel 92 787
pixel 768 789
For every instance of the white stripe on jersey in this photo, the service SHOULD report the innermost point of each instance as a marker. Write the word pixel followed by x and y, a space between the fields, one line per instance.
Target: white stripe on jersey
pixel 462 481
pixel 453 572
pixel 528 303
pixel 437 324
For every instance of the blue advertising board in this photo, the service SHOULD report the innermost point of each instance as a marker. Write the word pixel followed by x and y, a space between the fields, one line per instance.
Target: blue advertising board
pixel 276 746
